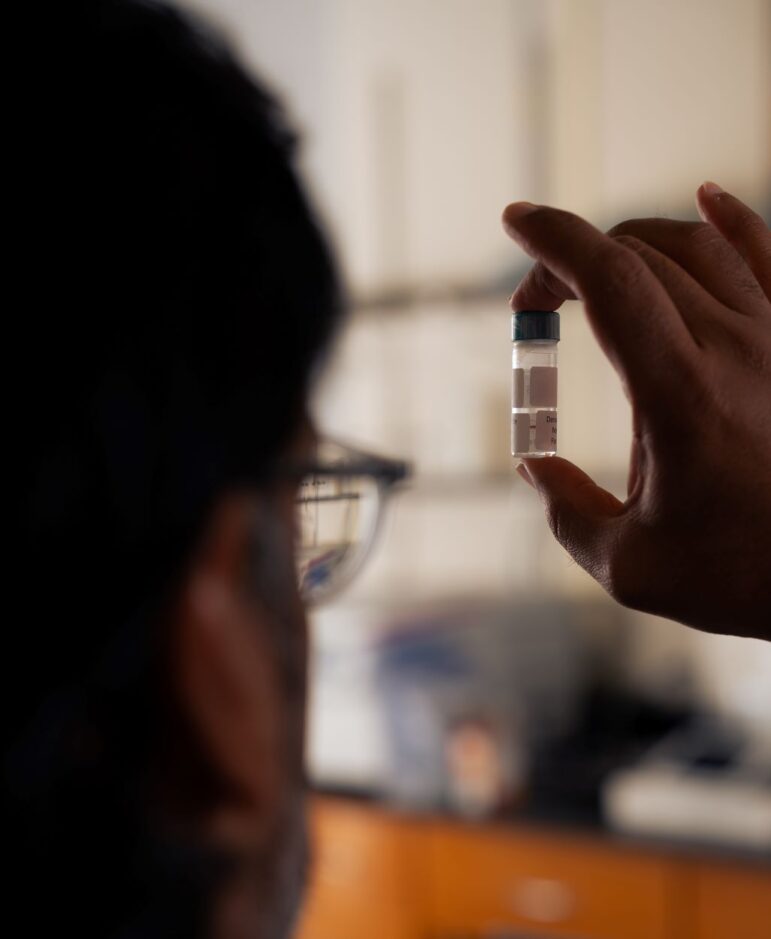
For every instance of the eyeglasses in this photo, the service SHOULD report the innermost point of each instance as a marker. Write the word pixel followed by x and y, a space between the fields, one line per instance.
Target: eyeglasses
pixel 339 509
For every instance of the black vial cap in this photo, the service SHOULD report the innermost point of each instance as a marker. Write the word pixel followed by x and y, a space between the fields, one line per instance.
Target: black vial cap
pixel 535 324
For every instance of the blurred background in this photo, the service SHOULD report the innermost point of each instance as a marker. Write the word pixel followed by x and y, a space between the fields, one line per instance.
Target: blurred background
pixel 496 748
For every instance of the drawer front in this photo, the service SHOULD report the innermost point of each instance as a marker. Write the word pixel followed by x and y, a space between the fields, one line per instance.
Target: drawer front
pixel 733 902
pixel 489 884
pixel 365 877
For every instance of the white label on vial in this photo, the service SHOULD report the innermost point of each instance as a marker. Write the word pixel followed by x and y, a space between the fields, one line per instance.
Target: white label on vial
pixel 546 431
pixel 520 433
pixel 543 386
pixel 518 388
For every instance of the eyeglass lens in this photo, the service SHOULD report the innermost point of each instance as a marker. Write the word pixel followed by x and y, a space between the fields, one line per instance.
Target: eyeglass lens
pixel 337 518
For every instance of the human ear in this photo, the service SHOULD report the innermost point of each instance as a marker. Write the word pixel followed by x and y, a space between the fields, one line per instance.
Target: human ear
pixel 224 675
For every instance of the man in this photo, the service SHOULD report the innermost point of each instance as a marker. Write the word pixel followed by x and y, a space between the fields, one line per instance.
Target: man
pixel 155 770
pixel 182 299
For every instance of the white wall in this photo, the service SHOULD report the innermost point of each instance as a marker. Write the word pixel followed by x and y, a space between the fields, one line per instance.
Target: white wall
pixel 421 119
pixel 416 115
pixel 686 97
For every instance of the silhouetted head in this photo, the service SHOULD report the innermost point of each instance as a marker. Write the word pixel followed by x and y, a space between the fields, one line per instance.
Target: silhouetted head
pixel 184 296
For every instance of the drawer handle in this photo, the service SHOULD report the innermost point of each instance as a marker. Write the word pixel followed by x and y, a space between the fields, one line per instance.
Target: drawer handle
pixel 543 901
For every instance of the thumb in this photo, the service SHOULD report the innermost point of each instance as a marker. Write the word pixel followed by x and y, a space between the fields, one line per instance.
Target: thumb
pixel 582 515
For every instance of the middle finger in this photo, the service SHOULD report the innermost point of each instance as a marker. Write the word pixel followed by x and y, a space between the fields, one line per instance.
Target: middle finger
pixel 701 251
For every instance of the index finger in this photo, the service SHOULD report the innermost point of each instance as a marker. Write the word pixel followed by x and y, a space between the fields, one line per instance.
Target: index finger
pixel 539 289
pixel 633 317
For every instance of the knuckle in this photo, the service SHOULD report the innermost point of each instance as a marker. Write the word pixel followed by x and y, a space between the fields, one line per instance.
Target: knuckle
pixel 747 286
pixel 754 355
pixel 538 280
pixel 631 241
pixel 653 229
pixel 632 227
pixel 623 271
pixel 625 228
pixel 708 244
pixel 704 238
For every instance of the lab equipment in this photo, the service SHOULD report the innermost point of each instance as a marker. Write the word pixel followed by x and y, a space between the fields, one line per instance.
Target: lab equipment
pixel 534 335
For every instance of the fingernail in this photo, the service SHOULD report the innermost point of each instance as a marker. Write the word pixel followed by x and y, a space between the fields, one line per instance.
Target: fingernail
pixel 518 210
pixel 711 189
pixel 523 472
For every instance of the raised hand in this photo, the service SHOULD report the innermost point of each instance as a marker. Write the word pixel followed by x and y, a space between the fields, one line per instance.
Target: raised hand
pixel 683 312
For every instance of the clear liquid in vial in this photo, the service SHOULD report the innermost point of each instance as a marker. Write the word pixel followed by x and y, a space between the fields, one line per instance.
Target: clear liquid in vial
pixel 534 400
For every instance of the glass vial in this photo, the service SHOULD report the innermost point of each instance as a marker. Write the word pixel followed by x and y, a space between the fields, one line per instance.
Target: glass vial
pixel 534 334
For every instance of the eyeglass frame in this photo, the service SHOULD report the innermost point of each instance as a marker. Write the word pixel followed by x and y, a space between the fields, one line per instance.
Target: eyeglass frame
pixel 387 473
